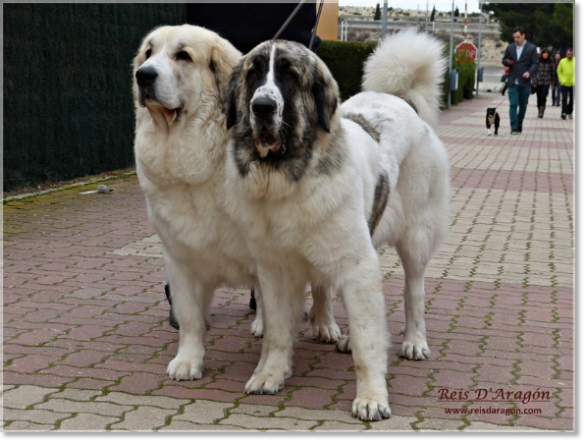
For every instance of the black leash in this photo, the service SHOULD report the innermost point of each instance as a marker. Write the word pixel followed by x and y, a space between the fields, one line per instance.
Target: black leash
pixel 321 4
pixel 294 13
pixel 501 102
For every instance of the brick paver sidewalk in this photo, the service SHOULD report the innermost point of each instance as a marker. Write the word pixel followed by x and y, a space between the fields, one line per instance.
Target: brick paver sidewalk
pixel 86 339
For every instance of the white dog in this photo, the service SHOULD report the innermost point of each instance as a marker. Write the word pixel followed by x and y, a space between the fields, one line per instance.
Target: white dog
pixel 181 77
pixel 309 182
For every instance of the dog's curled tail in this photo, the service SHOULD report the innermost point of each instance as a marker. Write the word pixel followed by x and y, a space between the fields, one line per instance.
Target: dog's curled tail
pixel 409 65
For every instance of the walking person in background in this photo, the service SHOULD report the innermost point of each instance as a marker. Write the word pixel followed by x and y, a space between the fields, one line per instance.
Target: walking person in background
pixel 567 80
pixel 542 79
pixel 504 79
pixel 556 92
pixel 522 58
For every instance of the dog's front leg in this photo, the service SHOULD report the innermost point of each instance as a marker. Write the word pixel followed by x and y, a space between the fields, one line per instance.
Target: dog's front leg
pixel 191 299
pixel 361 290
pixel 282 304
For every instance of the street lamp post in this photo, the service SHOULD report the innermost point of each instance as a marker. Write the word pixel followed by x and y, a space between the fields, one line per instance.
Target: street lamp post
pixel 450 57
pixel 427 17
pixel 385 18
pixel 481 2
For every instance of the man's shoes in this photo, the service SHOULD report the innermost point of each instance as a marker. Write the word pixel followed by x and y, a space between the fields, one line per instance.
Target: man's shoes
pixel 520 129
pixel 563 116
pixel 570 116
pixel 172 320
pixel 515 131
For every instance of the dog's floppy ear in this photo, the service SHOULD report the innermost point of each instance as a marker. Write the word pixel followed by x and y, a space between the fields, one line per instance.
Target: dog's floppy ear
pixel 325 95
pixel 231 115
pixel 232 109
pixel 223 58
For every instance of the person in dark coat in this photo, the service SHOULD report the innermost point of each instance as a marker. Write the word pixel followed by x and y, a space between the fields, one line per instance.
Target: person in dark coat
pixel 245 25
pixel 543 78
pixel 522 58
pixel 556 92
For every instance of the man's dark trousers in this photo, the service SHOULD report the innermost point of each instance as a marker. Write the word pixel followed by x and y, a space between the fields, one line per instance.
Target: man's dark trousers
pixel 518 99
pixel 567 92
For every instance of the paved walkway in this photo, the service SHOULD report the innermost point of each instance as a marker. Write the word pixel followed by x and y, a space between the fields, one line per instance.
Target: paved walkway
pixel 86 339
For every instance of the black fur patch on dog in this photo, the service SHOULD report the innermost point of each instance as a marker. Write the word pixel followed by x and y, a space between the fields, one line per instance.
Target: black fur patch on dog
pixel 381 198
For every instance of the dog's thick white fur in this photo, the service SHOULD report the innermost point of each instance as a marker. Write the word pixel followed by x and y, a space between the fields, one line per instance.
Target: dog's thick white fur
pixel 180 146
pixel 310 221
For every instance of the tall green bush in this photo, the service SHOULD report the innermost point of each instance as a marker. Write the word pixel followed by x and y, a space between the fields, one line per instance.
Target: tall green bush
pixel 346 62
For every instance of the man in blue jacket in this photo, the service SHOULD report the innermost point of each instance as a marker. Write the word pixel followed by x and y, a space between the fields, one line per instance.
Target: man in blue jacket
pixel 522 59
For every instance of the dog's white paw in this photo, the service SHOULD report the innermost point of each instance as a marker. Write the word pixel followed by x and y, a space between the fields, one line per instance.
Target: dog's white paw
pixel 326 333
pixel 343 344
pixel 366 409
pixel 264 383
pixel 325 328
pixel 415 349
pixel 185 368
pixel 257 327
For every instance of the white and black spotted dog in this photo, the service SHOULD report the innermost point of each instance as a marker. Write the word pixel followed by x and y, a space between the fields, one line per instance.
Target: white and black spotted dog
pixel 316 187
pixel 492 119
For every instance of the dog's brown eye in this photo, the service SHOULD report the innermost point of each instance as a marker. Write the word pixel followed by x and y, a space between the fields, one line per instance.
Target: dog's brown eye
pixel 182 55
pixel 148 53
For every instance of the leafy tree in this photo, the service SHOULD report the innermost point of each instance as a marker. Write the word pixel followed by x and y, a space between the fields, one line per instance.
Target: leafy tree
pixel 563 15
pixel 377 13
pixel 546 24
pixel 457 12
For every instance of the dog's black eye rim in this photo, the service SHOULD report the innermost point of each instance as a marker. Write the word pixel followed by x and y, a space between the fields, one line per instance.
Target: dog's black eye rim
pixel 183 55
pixel 289 76
pixel 148 53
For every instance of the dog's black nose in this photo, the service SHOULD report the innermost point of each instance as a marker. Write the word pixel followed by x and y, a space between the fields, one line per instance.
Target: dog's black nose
pixel 146 76
pixel 263 107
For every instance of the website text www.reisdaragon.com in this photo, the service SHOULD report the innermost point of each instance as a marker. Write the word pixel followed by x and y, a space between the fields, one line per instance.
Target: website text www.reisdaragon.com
pixel 491 395
pixel 480 410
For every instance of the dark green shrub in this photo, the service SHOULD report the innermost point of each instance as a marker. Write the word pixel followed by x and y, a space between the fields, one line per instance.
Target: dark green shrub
pixel 467 76
pixel 346 60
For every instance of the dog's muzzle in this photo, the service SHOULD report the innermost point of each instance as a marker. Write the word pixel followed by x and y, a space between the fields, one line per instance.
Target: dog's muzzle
pixel 146 76
pixel 264 109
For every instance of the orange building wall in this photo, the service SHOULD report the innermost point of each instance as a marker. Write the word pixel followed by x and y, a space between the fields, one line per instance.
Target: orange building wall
pixel 328 22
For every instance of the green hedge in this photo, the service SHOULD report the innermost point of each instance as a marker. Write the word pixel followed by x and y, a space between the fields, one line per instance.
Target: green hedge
pixel 346 60
pixel 466 77
pixel 68 108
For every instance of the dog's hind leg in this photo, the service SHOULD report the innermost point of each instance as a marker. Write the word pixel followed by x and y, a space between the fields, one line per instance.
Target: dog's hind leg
pixel 256 328
pixel 427 226
pixel 321 315
pixel 414 258
pixel 191 301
